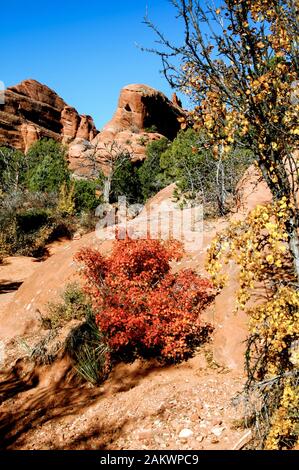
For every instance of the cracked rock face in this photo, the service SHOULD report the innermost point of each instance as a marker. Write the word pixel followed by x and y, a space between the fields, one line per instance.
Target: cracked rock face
pixel 141 107
pixel 143 114
pixel 32 110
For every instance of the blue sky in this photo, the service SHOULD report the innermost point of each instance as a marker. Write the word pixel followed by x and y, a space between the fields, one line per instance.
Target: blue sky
pixel 84 50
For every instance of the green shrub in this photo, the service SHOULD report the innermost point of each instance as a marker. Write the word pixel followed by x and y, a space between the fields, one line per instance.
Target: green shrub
pixel 81 341
pixel 87 221
pixel 151 129
pixel 142 141
pixel 32 219
pixel 90 352
pixel 150 172
pixel 181 158
pixel 125 182
pixel 85 344
pixel 38 201
pixel 190 163
pixel 47 166
pixel 85 195
pixel 12 170
pixel 28 221
pixel 74 305
pixel 34 243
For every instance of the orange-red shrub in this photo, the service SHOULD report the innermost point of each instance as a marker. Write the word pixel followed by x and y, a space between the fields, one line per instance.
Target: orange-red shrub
pixel 140 306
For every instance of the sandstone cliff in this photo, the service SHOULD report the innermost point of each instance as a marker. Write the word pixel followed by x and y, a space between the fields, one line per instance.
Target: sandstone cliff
pixel 143 114
pixel 32 111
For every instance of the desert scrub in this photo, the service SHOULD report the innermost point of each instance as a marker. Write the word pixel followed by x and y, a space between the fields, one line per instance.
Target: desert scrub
pixel 259 246
pixel 85 344
pixel 74 305
pixel 142 141
pixel 140 306
pixel 2 251
pixel 89 351
pixel 151 129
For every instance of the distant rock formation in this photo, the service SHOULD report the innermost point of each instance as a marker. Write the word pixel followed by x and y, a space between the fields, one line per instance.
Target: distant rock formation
pixel 143 114
pixel 176 100
pixel 32 111
pixel 141 107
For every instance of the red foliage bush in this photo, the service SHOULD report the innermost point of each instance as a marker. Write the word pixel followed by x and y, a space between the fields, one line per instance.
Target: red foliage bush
pixel 140 306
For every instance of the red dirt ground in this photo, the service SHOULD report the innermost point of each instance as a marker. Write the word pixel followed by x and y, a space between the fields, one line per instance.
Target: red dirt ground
pixel 141 405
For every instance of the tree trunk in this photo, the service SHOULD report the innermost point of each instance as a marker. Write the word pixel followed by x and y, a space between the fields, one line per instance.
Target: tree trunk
pixel 278 191
pixel 220 187
pixel 107 188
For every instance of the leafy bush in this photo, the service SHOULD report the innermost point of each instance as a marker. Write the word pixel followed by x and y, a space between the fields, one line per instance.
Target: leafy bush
pixel 120 176
pixel 90 352
pixel 28 221
pixel 85 344
pixel 32 230
pixel 259 246
pixel 74 305
pixel 142 141
pixel 151 129
pixel 140 306
pixel 189 161
pixel 66 200
pixel 85 195
pixel 47 166
pixel 39 202
pixel 125 181
pixel 16 210
pixel 150 172
pixel 12 169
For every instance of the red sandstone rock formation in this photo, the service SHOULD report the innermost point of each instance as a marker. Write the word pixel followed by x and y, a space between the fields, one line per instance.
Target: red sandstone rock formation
pixel 176 100
pixel 141 107
pixel 32 111
pixel 142 115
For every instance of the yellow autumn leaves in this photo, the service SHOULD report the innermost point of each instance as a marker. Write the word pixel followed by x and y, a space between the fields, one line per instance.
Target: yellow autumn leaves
pixel 284 422
pixel 259 247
